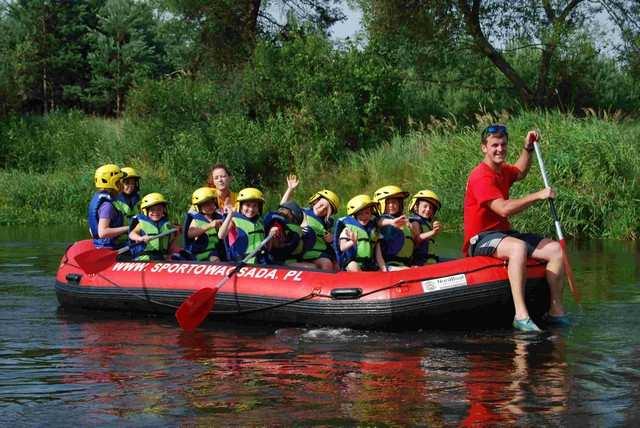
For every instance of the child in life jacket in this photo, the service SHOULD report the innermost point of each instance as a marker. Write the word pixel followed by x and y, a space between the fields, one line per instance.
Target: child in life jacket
pixel 316 225
pixel 396 243
pixel 243 230
pixel 106 223
pixel 357 236
pixel 153 221
pixel 423 208
pixel 200 230
pixel 287 244
pixel 128 199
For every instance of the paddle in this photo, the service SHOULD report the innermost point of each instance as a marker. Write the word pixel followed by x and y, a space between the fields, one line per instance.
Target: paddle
pixel 97 260
pixel 556 221
pixel 197 306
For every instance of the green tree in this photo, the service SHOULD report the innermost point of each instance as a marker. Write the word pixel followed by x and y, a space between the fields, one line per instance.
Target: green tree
pixel 495 30
pixel 226 31
pixel 44 51
pixel 121 52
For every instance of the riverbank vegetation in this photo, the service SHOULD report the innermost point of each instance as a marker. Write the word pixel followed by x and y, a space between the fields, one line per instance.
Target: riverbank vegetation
pixel 171 87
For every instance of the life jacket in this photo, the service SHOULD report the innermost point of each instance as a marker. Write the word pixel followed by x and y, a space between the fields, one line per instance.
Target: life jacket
pixel 249 235
pixel 396 244
pixel 206 245
pixel 156 249
pixel 127 204
pixel 363 252
pixel 421 251
pixel 313 236
pixel 97 200
pixel 290 248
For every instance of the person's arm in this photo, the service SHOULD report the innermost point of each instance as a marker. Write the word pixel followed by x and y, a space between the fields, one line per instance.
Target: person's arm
pixel 524 160
pixel 347 239
pixel 292 183
pixel 508 207
pixel 397 222
pixel 135 235
pixel 382 265
pixel 414 226
pixel 195 231
pixel 226 225
pixel 104 231
pixel 173 245
pixel 420 237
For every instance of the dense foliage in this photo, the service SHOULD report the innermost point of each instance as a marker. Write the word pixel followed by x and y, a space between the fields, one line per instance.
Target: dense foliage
pixel 593 162
pixel 178 85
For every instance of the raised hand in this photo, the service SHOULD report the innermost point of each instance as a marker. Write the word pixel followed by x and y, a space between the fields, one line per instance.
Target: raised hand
pixel 292 181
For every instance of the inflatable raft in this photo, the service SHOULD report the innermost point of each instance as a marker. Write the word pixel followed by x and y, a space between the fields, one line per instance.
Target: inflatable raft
pixel 463 292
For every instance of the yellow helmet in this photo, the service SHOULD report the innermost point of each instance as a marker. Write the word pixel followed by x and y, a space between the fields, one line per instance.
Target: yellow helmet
pixel 204 194
pixel 249 194
pixel 387 192
pixel 331 197
pixel 360 202
pixel 427 195
pixel 150 200
pixel 130 172
pixel 108 176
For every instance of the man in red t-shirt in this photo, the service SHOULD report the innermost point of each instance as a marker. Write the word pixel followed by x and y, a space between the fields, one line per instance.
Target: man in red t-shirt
pixel 487 231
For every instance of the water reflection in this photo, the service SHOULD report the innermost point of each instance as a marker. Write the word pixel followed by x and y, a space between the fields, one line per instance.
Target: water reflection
pixel 95 368
pixel 141 371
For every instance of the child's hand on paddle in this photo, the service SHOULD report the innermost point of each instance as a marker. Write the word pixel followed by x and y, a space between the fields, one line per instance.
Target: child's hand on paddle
pixel 400 222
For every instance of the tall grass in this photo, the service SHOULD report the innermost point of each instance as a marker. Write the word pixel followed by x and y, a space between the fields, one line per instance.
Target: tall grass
pixel 593 164
pixel 47 165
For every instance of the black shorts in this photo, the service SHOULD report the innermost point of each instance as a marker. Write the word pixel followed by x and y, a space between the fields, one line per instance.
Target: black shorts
pixel 487 242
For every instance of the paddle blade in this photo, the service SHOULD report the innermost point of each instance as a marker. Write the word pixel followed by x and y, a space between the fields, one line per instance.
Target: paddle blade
pixel 569 272
pixel 195 308
pixel 96 260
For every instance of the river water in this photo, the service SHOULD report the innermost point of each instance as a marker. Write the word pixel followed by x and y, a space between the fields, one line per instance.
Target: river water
pixel 59 368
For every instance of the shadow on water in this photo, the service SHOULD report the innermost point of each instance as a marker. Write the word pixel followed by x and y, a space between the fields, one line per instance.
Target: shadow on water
pixel 97 368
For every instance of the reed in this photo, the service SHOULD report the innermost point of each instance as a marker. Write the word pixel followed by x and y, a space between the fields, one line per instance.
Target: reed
pixel 47 164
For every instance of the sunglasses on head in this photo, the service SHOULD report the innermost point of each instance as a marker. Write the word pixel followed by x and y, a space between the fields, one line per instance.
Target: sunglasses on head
pixel 494 129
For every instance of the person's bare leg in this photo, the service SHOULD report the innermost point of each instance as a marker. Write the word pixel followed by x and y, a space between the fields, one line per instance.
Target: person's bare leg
pixel 352 267
pixel 551 252
pixel 324 263
pixel 515 252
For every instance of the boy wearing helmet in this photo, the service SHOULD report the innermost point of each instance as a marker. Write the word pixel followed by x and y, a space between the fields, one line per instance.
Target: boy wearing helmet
pixel 243 230
pixel 287 246
pixel 317 228
pixel 153 221
pixel 128 199
pixel 423 208
pixel 396 243
pixel 356 247
pixel 106 223
pixel 201 226
pixel 316 225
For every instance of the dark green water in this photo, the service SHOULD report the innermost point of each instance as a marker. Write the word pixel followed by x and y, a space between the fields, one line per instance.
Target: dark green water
pixel 59 368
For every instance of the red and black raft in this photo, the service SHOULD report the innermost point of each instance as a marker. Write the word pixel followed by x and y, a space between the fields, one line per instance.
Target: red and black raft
pixel 464 292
